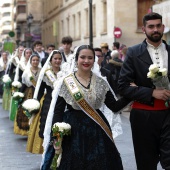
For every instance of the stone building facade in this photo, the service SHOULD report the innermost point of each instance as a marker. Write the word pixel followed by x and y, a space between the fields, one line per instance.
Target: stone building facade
pixel 71 17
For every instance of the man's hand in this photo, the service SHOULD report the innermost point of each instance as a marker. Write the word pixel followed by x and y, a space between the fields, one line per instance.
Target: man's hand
pixel 161 94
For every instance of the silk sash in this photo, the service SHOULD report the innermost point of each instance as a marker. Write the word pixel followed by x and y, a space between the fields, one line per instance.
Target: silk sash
pixel 85 106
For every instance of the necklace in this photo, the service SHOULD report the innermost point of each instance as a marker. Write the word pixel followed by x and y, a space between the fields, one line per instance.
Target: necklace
pixel 34 72
pixel 87 81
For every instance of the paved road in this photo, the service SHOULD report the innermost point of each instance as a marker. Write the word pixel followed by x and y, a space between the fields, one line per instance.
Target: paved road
pixel 14 157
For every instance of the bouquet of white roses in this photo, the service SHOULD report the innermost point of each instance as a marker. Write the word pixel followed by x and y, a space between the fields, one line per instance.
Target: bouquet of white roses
pixel 15 86
pixel 59 131
pixel 159 78
pixel 18 96
pixel 30 107
pixel 6 81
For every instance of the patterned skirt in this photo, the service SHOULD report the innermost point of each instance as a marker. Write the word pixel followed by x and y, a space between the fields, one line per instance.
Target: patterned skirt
pixel 34 142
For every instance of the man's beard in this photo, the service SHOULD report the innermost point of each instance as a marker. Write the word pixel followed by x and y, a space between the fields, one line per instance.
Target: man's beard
pixel 153 38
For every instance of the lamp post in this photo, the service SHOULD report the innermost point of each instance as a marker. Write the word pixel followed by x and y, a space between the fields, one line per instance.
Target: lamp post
pixel 29 22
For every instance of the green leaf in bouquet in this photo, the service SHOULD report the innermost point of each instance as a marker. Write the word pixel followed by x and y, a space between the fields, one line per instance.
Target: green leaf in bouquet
pixel 57 143
pixel 159 74
pixel 31 78
pixel 167 103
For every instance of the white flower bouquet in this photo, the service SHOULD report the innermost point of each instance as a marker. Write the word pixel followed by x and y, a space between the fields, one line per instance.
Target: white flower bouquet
pixel 159 78
pixel 59 131
pixel 15 86
pixel 18 96
pixel 30 107
pixel 6 81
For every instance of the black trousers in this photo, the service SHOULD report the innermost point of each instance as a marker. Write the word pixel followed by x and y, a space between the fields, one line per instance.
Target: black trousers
pixel 151 138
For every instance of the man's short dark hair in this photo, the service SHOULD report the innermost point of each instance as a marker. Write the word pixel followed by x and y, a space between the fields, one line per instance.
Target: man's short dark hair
pixel 97 49
pixel 50 45
pixel 151 16
pixel 116 44
pixel 67 40
pixel 37 42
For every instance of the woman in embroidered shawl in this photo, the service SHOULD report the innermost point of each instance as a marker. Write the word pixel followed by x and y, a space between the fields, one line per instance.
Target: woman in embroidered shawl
pixel 90 145
pixel 29 79
pixel 18 77
pixel 4 91
pixel 14 61
pixel 48 75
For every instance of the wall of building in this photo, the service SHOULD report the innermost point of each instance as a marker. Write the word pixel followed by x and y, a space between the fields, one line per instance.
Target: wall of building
pixel 164 9
pixel 71 18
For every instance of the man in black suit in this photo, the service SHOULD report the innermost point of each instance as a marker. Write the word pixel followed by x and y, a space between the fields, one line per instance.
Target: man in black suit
pixel 104 72
pixel 149 117
pixel 37 49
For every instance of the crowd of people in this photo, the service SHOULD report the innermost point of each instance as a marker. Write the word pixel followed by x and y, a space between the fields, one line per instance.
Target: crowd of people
pixel 87 88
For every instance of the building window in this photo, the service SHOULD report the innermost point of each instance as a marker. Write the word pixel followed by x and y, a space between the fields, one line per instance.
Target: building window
pixel 68 26
pixel 94 20
pixel 74 26
pixel 87 22
pixel 6 14
pixel 62 28
pixel 61 3
pixel 144 7
pixel 7 23
pixel 79 25
pixel 6 5
pixel 104 17
pixel 21 9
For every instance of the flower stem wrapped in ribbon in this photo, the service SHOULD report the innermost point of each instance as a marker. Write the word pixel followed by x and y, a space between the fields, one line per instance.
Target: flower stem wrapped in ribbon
pixel 59 131
pixel 159 78
pixel 30 107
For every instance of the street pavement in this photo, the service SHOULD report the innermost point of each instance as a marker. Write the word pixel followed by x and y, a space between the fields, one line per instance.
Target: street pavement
pixel 13 155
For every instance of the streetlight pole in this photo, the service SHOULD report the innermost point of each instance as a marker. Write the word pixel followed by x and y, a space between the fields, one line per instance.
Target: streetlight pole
pixel 90 24
pixel 29 22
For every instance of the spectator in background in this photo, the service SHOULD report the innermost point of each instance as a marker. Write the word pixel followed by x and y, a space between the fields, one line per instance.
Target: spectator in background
pixel 66 44
pixel 104 72
pixel 106 52
pixel 4 59
pixel 114 66
pixel 124 51
pixel 120 51
pixel 50 48
pixel 116 46
pixel 37 48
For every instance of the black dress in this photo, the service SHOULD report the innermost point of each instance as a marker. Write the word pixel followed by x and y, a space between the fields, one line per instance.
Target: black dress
pixel 88 147
pixel 45 106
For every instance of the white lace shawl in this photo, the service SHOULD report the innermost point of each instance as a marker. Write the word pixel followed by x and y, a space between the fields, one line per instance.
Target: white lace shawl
pixel 95 95
pixel 21 64
pixel 27 74
pixel 2 64
pixel 46 66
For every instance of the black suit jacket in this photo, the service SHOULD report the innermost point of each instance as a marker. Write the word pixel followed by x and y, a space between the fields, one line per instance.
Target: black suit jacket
pixel 135 69
pixel 106 73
